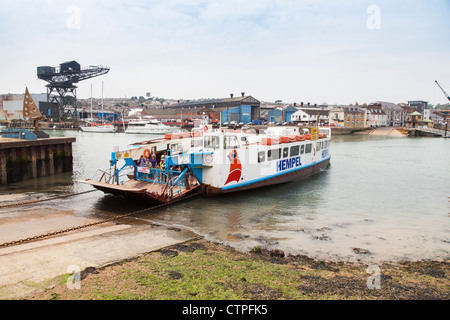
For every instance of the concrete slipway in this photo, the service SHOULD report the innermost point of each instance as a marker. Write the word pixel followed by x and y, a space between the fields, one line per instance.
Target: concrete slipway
pixel 31 266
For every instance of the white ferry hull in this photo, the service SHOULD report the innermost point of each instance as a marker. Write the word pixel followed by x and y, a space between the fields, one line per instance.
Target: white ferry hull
pixel 291 176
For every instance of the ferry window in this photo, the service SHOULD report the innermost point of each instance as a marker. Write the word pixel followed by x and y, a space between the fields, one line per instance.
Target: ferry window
pixel 308 148
pixel 319 144
pixel 211 142
pixel 261 156
pixel 295 151
pixel 273 154
pixel 285 152
pixel 302 149
pixel 230 142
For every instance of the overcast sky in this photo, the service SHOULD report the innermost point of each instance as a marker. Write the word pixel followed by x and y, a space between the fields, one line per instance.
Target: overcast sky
pixel 296 51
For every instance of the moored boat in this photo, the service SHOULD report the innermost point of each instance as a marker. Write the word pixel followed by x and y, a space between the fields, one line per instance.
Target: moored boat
pixel 213 162
pixel 99 128
pixel 148 125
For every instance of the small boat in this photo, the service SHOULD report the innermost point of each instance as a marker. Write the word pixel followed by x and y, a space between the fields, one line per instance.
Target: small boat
pixel 148 125
pixel 213 162
pixel 99 128
pixel 102 127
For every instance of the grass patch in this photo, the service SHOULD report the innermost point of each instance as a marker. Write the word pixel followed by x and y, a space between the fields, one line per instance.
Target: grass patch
pixel 204 270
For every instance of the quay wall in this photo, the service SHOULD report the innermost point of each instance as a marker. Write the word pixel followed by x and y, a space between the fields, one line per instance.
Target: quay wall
pixel 28 159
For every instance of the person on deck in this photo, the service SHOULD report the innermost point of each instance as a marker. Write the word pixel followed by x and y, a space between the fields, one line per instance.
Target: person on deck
pixel 142 162
pixel 152 161
pixel 162 163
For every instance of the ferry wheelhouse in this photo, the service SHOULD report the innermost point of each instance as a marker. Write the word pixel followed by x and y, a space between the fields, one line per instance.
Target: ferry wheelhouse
pixel 213 162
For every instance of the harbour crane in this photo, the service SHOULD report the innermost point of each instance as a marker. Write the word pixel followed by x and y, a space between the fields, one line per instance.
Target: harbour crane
pixel 448 97
pixel 61 81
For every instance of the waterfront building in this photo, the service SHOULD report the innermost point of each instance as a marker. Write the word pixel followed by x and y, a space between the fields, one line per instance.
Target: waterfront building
pixel 415 119
pixel 419 106
pixel 282 114
pixel 348 117
pixel 375 116
pixel 396 116
pixel 238 109
pixel 309 115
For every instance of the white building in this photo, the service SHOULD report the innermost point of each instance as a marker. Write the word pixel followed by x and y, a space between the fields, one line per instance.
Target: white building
pixel 396 116
pixel 308 115
pixel 375 116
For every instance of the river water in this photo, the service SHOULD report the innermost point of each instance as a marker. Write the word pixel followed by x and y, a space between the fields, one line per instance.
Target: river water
pixel 383 198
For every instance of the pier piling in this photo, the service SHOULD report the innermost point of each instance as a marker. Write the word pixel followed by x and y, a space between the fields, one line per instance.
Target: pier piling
pixel 29 159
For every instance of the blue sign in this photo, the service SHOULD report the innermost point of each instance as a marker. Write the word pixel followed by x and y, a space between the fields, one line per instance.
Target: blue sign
pixel 288 164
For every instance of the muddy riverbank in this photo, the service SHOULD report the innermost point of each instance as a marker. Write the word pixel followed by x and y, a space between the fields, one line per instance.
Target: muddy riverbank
pixel 203 270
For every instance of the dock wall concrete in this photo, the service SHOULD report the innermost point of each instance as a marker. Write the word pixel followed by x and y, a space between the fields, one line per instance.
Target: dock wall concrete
pixel 28 159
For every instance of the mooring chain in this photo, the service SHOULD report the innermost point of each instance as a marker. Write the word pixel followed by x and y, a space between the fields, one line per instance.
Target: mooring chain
pixel 42 200
pixel 8 244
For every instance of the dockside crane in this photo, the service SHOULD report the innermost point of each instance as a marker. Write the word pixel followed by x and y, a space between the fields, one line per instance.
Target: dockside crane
pixel 61 81
pixel 445 117
pixel 448 97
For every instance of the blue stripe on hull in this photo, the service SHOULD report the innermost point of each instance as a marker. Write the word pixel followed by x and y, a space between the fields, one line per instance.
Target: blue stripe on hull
pixel 249 183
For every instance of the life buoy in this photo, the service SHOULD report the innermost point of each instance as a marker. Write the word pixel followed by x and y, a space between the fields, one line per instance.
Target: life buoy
pixel 147 153
pixel 205 128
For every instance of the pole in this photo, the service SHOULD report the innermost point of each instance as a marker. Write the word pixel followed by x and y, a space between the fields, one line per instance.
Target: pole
pixel 102 103
pixel 92 117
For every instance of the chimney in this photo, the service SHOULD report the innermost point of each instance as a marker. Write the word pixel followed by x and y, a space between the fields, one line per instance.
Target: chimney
pixel 243 94
pixel 231 95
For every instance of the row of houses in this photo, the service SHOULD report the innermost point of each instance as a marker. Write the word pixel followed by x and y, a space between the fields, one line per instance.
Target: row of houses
pixel 245 109
pixel 378 114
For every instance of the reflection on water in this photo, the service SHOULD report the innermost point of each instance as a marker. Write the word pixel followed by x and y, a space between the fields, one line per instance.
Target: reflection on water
pixel 386 195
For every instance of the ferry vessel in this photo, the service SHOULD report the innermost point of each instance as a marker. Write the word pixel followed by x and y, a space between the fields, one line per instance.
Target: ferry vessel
pixel 149 125
pixel 213 162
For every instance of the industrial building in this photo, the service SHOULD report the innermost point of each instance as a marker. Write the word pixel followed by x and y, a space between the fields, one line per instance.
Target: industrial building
pixel 281 114
pixel 239 109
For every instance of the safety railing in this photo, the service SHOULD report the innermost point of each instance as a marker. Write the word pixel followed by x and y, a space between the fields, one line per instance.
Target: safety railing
pixel 156 175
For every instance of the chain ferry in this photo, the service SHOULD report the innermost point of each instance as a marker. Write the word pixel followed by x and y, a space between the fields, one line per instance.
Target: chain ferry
pixel 213 161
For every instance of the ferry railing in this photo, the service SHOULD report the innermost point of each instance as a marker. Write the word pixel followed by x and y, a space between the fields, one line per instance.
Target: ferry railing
pixel 177 180
pixel 156 175
pixel 104 175
pixel 108 177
